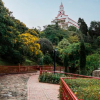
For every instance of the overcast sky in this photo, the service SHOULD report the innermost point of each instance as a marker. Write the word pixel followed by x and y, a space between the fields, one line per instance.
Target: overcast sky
pixel 41 12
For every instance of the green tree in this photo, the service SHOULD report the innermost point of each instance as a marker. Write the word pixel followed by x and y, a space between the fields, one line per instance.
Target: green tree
pixel 28 44
pixel 47 59
pixel 92 63
pixel 73 39
pixel 54 33
pixel 98 40
pixel 62 44
pixel 32 32
pixel 82 26
pixel 82 57
pixel 66 63
pixel 45 45
pixel 72 28
pixel 94 29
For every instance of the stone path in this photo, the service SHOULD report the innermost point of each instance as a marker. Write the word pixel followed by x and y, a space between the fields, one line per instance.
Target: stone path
pixel 41 91
pixel 14 87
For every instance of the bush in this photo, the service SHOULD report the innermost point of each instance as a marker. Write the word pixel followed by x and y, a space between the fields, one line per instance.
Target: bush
pixel 50 78
pixel 92 63
pixel 28 62
pixel 47 59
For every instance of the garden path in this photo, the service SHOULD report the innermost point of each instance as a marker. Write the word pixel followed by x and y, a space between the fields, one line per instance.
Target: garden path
pixel 41 91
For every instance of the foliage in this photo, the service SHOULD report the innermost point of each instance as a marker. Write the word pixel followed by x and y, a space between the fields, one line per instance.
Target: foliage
pixel 94 29
pixel 47 59
pixel 92 63
pixel 50 78
pixel 41 61
pixel 73 53
pixel 98 40
pixel 29 44
pixel 72 48
pixel 55 33
pixel 82 26
pixel 32 32
pixel 62 44
pixel 19 26
pixel 73 39
pixel 66 63
pixel 72 28
pixel 87 38
pixel 46 45
pixel 82 57
pixel 85 89
pixel 7 36
pixel 28 62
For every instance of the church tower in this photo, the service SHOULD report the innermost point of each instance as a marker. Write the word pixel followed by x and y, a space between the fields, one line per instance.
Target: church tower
pixel 61 9
pixel 63 20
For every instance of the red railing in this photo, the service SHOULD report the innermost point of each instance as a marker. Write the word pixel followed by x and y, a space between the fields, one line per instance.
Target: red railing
pixel 17 69
pixel 67 93
pixel 25 69
pixel 51 68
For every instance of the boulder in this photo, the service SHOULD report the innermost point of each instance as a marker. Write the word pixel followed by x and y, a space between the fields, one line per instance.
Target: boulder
pixel 96 73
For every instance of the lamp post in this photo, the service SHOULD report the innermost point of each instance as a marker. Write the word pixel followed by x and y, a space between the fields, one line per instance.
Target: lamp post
pixel 54 58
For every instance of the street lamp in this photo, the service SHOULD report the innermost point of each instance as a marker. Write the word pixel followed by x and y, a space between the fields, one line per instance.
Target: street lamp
pixel 54 58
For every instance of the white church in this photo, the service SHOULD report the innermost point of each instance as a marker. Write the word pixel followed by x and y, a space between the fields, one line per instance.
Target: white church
pixel 63 20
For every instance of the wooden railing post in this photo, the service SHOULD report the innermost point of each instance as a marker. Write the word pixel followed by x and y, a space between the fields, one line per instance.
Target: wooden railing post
pixel 19 68
pixel 40 71
pixel 60 68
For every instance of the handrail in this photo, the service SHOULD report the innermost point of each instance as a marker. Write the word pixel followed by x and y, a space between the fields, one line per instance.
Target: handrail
pixel 66 87
pixel 21 69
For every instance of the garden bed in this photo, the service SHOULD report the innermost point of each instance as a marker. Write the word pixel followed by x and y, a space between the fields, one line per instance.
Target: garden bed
pixel 85 89
pixel 51 78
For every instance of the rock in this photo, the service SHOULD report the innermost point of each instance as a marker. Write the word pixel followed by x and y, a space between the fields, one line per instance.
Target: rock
pixel 96 73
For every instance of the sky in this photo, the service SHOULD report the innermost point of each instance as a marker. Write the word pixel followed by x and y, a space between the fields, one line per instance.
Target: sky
pixel 36 13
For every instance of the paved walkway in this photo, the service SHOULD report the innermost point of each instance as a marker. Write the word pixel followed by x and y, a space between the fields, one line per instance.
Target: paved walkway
pixel 41 91
pixel 14 86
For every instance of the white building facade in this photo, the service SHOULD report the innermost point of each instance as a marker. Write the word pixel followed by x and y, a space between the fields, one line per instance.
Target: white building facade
pixel 63 20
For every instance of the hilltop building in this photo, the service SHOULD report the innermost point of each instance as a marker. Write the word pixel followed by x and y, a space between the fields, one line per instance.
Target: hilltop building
pixel 63 20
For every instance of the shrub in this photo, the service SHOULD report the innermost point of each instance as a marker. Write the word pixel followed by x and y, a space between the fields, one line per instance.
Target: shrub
pixel 92 63
pixel 47 59
pixel 50 78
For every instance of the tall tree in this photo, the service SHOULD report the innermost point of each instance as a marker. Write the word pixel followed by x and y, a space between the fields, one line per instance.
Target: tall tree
pixel 94 29
pixel 82 26
pixel 66 63
pixel 82 57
